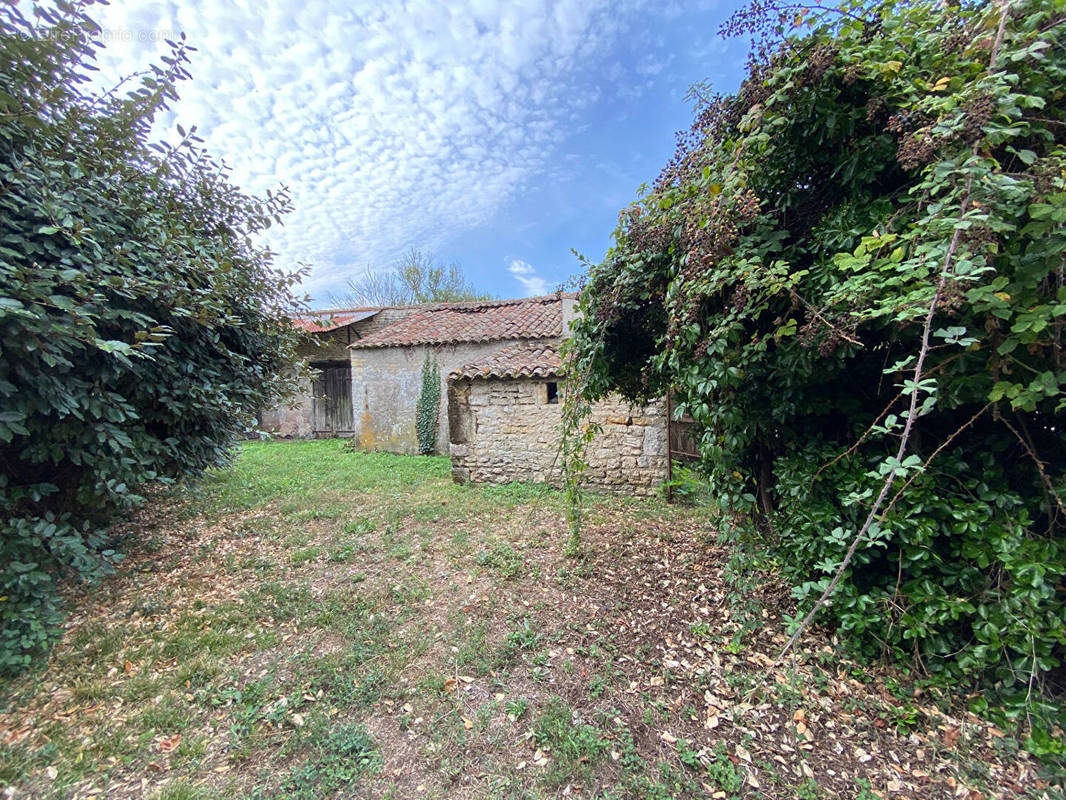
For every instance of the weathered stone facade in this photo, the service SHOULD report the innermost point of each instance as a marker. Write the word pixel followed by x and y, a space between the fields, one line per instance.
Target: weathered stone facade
pixel 505 430
pixel 386 372
pixel 291 420
pixel 386 382
pixel 294 419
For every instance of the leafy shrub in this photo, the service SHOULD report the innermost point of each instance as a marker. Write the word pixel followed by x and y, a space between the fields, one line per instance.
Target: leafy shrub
pixel 879 164
pixel 140 327
pixel 427 407
pixel 689 487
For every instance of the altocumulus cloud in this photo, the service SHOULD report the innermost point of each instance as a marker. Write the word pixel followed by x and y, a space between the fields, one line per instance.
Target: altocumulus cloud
pixel 393 125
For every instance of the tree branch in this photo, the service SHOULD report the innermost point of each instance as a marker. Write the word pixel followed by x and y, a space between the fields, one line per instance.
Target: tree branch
pixel 908 427
pixel 936 452
pixel 1040 467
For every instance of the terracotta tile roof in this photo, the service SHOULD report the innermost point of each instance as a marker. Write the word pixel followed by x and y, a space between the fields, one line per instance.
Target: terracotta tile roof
pixel 521 361
pixel 485 321
pixel 324 321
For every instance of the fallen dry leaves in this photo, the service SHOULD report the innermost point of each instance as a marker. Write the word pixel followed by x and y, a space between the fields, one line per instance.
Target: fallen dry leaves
pixel 808 719
pixel 168 744
pixel 684 667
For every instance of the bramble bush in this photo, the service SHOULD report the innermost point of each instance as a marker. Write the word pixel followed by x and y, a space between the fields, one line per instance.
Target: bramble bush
pixel 140 326
pixel 881 163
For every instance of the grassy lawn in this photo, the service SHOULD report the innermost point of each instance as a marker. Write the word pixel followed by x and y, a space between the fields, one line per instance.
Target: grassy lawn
pixel 320 623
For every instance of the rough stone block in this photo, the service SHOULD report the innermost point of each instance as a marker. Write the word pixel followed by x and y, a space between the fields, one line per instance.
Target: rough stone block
pixel 655 441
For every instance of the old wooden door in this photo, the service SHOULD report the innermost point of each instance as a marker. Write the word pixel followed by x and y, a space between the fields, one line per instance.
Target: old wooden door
pixel 332 404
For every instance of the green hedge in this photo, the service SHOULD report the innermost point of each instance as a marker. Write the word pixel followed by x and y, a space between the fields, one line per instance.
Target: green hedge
pixel 778 273
pixel 140 326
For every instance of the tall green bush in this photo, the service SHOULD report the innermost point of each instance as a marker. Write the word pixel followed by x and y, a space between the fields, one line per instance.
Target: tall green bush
pixel 140 325
pixel 427 407
pixel 879 161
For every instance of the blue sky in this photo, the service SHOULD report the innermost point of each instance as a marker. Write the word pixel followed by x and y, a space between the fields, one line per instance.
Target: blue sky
pixel 495 135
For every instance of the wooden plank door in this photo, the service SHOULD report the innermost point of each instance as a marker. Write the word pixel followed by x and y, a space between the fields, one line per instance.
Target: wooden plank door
pixel 332 404
pixel 339 394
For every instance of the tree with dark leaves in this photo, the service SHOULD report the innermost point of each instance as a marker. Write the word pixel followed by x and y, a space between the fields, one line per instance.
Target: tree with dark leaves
pixel 851 275
pixel 141 327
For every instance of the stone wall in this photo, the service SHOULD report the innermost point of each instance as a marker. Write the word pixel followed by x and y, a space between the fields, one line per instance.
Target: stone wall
pixel 504 430
pixel 294 419
pixel 291 420
pixel 383 318
pixel 386 382
pixel 332 345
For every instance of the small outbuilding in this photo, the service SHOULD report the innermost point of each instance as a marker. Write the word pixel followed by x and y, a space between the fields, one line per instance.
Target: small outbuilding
pixel 505 417
pixel 502 386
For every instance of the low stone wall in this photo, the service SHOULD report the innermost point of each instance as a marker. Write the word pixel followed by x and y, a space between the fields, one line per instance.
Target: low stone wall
pixel 505 430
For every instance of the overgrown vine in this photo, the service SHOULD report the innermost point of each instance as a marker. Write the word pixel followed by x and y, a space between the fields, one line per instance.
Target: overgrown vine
pixel 851 276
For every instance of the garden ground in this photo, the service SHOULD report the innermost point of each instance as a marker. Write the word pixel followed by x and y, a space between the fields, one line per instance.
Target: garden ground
pixel 316 622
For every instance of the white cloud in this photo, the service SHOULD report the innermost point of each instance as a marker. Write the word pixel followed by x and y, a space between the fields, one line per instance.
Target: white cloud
pixel 532 284
pixel 394 126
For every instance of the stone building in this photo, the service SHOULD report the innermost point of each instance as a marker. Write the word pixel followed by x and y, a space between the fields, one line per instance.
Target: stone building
pixel 504 419
pixel 500 392
pixel 387 364
pixel 324 407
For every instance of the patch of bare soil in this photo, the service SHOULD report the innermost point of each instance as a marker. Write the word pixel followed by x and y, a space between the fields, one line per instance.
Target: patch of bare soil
pixel 664 672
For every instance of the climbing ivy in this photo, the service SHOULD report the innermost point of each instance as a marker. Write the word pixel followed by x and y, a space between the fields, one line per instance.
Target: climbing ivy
pixel 427 408
pixel 874 223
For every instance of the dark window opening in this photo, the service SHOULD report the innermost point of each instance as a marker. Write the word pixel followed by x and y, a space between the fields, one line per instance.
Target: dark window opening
pixel 553 392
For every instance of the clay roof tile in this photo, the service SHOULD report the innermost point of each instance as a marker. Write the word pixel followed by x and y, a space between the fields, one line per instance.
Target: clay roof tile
pixel 484 321
pixel 521 361
pixel 325 321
